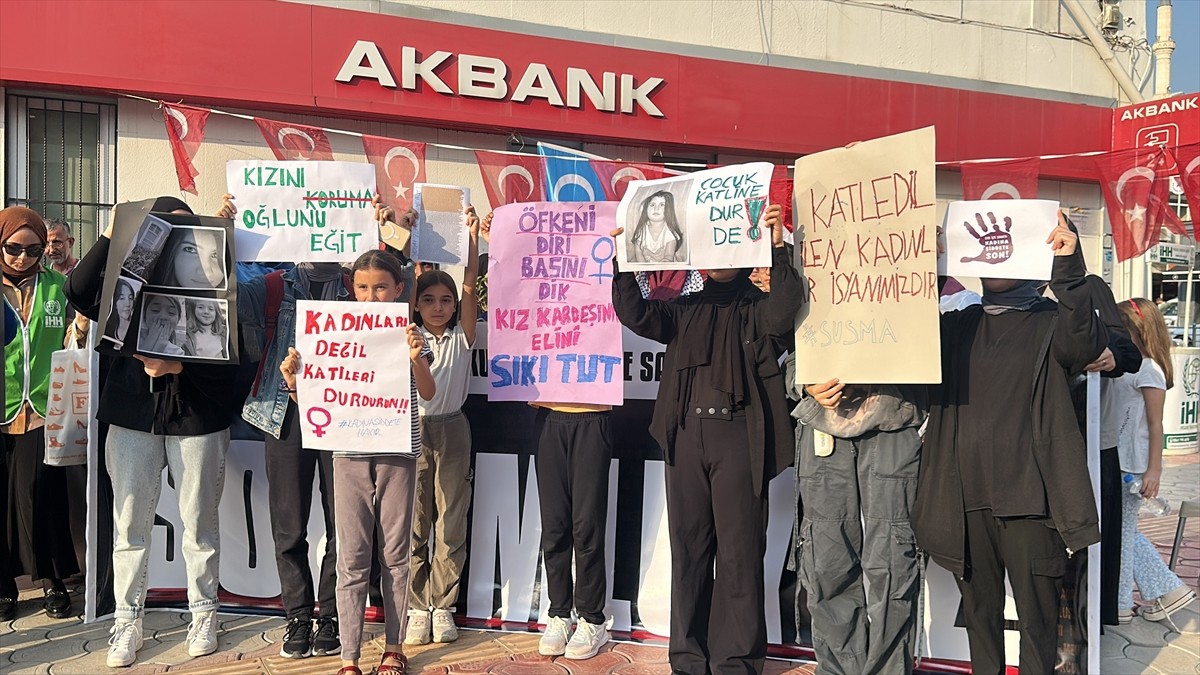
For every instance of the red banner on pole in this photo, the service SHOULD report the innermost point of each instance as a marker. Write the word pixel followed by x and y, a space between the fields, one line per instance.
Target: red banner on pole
pixel 511 178
pixel 1135 186
pixel 1017 179
pixel 185 131
pixel 398 165
pixel 295 141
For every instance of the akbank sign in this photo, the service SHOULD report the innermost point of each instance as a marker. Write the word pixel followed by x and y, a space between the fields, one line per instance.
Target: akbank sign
pixel 488 77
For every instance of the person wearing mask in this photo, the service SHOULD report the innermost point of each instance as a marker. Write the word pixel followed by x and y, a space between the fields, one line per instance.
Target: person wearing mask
pixel 161 414
pixel 35 529
pixel 1004 484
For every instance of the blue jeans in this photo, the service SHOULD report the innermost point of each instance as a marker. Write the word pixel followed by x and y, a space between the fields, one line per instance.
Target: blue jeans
pixel 197 464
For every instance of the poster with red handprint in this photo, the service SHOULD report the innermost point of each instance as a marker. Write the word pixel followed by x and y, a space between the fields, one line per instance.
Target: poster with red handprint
pixel 999 239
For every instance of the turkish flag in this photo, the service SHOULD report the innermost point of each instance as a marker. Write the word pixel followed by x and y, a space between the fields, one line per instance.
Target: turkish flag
pixel 185 130
pixel 295 141
pixel 1017 179
pixel 616 175
pixel 1136 186
pixel 1187 162
pixel 398 165
pixel 510 178
pixel 781 191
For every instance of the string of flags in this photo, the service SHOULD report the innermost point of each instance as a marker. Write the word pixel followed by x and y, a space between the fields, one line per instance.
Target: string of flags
pixel 1136 183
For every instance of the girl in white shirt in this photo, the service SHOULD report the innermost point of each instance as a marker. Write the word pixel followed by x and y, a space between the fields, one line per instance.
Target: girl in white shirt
pixel 1139 403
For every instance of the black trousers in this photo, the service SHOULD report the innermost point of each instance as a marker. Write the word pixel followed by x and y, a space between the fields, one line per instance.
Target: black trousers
pixel 718 624
pixel 1110 534
pixel 573 457
pixel 1035 557
pixel 290 473
pixel 36 526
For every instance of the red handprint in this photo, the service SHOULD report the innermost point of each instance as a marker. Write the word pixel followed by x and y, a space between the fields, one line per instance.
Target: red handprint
pixel 997 244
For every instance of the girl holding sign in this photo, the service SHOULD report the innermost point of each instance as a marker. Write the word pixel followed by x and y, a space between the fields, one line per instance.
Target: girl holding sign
pixel 721 419
pixel 374 492
pixel 444 468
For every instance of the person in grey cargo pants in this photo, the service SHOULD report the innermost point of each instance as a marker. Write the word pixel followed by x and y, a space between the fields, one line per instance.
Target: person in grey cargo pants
pixel 857 454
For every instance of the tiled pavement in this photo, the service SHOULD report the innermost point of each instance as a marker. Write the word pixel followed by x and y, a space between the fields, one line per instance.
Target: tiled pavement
pixel 249 645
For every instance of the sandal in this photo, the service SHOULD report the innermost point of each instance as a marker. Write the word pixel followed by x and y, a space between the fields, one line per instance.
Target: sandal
pixel 392 669
pixel 349 670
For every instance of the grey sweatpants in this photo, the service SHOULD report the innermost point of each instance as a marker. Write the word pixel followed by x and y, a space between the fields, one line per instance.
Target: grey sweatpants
pixel 856 524
pixel 372 494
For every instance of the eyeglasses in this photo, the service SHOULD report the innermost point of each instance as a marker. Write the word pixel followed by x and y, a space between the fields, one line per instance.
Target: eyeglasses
pixel 32 250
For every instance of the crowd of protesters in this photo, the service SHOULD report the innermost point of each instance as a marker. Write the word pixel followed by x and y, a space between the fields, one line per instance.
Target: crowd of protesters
pixel 984 473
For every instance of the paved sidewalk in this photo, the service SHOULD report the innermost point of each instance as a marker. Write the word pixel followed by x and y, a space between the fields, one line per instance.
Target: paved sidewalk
pixel 249 644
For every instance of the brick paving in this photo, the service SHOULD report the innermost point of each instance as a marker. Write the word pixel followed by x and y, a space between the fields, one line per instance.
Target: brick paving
pixel 249 644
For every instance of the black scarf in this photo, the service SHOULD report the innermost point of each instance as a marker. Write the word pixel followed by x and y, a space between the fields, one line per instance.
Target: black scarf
pixel 1020 298
pixel 713 339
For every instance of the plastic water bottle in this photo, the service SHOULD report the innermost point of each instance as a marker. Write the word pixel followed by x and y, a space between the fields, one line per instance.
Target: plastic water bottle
pixel 1151 506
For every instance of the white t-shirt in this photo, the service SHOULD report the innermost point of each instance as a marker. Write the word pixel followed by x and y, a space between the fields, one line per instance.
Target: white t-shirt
pixel 451 368
pixel 1129 407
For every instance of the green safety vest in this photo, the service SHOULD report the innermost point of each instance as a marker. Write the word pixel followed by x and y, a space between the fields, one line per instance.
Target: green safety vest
pixel 27 357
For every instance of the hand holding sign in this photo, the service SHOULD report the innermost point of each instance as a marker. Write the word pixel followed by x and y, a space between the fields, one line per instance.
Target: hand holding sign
pixel 289 367
pixel 416 342
pixel 1062 240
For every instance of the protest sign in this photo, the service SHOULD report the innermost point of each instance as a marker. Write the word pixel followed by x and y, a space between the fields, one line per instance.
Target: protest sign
pixel 353 392
pixel 705 220
pixel 866 238
pixel 175 289
pixel 303 211
pixel 552 332
pixel 999 239
pixel 440 232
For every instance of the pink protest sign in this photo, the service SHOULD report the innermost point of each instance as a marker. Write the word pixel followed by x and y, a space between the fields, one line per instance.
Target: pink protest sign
pixel 552 333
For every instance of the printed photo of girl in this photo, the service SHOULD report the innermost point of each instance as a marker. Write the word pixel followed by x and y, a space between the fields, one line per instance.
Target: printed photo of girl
pixel 122 310
pixel 193 258
pixel 160 319
pixel 207 328
pixel 656 236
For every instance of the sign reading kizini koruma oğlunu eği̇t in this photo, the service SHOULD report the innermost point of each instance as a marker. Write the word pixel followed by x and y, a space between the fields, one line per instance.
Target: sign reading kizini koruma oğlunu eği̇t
pixel 712 219
pixel 866 229
pixel 353 390
pixel 291 211
pixel 553 335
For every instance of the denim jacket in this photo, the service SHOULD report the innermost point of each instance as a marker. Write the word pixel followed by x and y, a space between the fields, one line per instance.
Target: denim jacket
pixel 266 407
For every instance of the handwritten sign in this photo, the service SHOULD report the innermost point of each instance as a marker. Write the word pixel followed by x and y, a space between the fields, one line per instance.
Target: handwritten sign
pixel 303 211
pixel 552 332
pixel 353 390
pixel 705 220
pixel 440 232
pixel 869 256
pixel 999 239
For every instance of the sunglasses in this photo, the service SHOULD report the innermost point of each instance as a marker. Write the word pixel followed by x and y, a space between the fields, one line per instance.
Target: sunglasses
pixel 32 250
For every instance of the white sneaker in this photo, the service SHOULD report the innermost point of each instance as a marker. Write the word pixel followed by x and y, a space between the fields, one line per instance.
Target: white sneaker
pixel 202 634
pixel 444 629
pixel 417 632
pixel 587 640
pixel 554 638
pixel 126 640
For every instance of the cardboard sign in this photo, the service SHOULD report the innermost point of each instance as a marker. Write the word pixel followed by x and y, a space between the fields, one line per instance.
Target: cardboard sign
pixel 553 335
pixel 174 289
pixel 353 391
pixel 705 220
pixel 867 217
pixel 999 239
pixel 303 211
pixel 440 232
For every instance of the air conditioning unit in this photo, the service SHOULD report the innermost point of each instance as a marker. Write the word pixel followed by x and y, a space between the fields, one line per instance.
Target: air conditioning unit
pixel 1110 17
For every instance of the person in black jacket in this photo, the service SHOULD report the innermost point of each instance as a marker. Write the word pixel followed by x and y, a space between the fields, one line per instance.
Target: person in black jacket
pixel 1004 483
pixel 161 413
pixel 721 419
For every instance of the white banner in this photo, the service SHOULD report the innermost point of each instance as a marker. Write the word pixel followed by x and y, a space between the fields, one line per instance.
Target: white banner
pixel 302 211
pixel 353 388
pixel 999 239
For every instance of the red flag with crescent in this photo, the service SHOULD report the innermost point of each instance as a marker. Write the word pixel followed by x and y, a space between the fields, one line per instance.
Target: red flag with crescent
pixel 398 165
pixel 510 178
pixel 1187 163
pixel 295 141
pixel 1136 188
pixel 616 175
pixel 1017 179
pixel 185 130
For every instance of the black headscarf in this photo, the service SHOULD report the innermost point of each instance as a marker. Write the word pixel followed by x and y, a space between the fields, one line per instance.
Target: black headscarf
pixel 712 346
pixel 1020 298
pixel 169 204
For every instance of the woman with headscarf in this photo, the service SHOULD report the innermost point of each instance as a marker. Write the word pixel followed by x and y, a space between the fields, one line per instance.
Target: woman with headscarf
pixel 34 532
pixel 1004 482
pixel 721 419
pixel 161 414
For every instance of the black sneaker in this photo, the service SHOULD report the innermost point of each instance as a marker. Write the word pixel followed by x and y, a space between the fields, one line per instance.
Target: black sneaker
pixel 57 604
pixel 297 639
pixel 326 642
pixel 8 609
